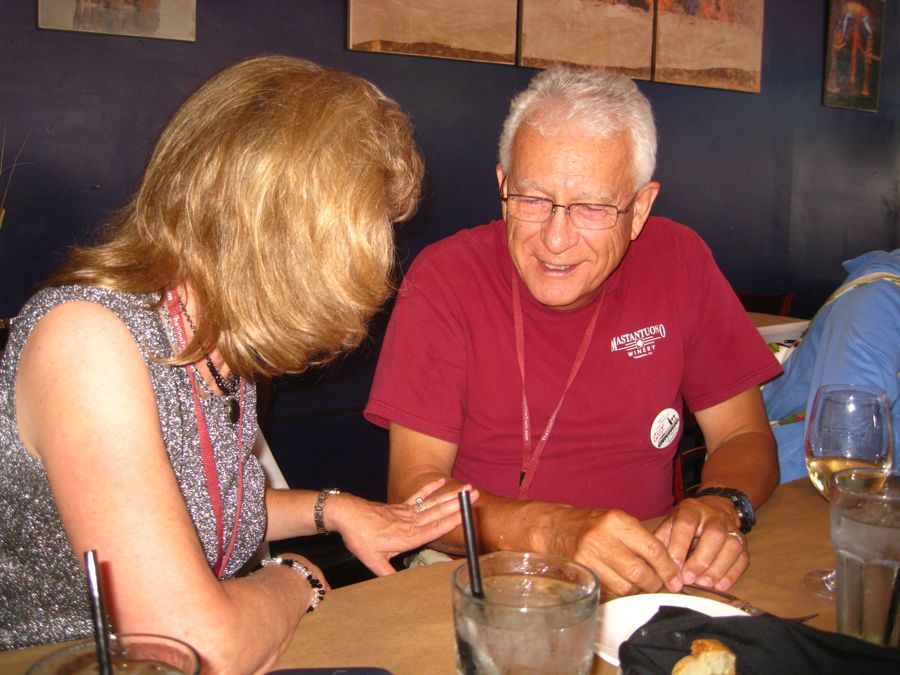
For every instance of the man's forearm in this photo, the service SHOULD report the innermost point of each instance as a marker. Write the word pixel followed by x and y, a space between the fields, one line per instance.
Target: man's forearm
pixel 746 461
pixel 508 524
pixel 501 523
pixel 504 524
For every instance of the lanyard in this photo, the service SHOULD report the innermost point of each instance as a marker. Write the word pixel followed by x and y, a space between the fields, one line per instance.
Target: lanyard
pixel 206 450
pixel 530 458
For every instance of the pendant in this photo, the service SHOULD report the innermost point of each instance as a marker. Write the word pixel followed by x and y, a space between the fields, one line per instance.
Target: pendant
pixel 232 409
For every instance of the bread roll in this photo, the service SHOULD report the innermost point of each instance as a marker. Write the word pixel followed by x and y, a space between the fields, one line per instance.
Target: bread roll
pixel 708 657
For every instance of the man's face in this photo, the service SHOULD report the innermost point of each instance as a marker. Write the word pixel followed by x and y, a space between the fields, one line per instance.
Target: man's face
pixel 562 265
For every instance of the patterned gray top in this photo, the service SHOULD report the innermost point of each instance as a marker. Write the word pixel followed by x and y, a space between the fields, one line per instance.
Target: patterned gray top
pixel 43 596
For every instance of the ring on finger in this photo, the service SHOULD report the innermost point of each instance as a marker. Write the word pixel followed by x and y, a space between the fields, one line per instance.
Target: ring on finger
pixel 420 505
pixel 737 535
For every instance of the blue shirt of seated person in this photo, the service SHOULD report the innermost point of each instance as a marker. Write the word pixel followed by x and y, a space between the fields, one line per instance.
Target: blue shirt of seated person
pixel 853 340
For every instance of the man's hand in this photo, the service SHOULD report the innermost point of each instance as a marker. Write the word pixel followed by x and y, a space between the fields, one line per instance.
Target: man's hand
pixel 625 555
pixel 703 537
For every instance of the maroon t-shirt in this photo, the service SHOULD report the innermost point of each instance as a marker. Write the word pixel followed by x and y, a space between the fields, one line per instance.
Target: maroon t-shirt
pixel 670 329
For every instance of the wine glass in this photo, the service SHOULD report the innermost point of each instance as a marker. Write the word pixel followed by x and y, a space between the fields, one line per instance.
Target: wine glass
pixel 849 426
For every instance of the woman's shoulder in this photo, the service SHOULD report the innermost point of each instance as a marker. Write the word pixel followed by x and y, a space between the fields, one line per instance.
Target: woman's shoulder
pixel 119 302
pixel 90 311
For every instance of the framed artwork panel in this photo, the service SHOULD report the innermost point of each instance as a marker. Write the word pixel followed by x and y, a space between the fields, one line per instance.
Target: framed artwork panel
pixel 472 30
pixel 710 43
pixel 853 54
pixel 612 34
pixel 164 19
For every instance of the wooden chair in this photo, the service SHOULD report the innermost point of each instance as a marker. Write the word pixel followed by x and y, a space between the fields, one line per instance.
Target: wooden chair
pixel 767 303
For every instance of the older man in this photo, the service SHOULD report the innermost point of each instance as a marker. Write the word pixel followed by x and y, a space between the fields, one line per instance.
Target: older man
pixel 544 358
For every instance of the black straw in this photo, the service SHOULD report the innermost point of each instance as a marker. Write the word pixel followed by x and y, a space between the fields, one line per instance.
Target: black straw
pixel 471 547
pixel 98 613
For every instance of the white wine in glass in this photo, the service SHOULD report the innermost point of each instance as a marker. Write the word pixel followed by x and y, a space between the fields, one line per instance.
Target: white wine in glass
pixel 821 468
pixel 849 426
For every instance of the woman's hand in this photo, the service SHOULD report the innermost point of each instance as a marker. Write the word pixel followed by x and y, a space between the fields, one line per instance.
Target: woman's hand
pixel 376 532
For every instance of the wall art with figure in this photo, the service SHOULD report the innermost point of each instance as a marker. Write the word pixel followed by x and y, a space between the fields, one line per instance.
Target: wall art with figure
pixel 853 54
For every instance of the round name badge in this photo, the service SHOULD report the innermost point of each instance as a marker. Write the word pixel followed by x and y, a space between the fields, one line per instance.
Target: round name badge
pixel 664 429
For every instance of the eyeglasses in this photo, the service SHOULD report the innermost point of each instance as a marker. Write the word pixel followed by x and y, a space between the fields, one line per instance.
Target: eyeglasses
pixel 583 215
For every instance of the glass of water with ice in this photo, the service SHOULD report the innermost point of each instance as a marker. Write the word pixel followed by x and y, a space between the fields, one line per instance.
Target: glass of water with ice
pixel 865 531
pixel 538 615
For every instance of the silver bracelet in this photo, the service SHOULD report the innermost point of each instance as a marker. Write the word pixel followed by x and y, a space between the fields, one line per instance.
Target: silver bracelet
pixel 317 588
pixel 318 509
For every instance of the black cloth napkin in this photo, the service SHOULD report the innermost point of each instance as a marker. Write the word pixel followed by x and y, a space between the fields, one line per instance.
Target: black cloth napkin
pixel 764 645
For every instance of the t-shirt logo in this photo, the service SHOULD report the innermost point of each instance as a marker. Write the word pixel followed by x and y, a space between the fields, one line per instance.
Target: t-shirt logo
pixel 640 343
pixel 665 428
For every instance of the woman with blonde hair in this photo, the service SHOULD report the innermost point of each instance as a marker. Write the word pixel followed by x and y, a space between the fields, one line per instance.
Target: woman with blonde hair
pixel 259 243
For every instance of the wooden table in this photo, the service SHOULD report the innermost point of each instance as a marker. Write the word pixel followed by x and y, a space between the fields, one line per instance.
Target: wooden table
pixel 403 622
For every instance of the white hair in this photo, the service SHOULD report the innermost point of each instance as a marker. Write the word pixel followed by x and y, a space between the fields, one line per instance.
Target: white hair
pixel 598 102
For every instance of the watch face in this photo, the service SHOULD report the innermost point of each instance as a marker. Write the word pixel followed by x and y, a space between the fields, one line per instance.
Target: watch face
pixel 745 511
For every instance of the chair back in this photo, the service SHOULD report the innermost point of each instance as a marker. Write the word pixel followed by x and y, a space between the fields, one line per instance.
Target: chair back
pixel 4 333
pixel 767 303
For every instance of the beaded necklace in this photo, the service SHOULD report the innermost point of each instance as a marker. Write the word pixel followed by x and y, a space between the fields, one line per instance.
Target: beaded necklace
pixel 232 405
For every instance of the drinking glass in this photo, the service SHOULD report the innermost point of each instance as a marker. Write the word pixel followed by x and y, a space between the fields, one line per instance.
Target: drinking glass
pixel 131 653
pixel 865 531
pixel 849 426
pixel 538 615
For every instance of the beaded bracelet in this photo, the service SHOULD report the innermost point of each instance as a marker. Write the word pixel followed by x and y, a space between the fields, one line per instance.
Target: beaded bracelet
pixel 317 588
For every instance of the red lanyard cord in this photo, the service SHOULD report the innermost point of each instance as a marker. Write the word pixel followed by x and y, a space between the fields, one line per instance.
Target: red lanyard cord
pixel 206 450
pixel 530 458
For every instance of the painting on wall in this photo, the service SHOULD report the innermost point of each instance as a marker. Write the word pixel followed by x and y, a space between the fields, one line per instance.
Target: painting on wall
pixel 471 30
pixel 165 19
pixel 612 34
pixel 710 43
pixel 853 54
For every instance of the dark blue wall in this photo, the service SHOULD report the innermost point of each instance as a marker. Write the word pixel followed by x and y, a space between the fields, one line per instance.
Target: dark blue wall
pixel 781 187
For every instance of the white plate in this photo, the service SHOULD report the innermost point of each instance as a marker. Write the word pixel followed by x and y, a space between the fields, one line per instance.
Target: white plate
pixel 619 618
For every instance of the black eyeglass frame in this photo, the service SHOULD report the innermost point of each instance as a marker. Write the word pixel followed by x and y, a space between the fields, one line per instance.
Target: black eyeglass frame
pixel 567 207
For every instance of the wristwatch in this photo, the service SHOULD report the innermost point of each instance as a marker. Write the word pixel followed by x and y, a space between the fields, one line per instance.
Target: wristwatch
pixel 318 516
pixel 740 501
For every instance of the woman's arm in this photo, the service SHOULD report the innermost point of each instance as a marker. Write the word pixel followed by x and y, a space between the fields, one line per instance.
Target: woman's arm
pixel 86 409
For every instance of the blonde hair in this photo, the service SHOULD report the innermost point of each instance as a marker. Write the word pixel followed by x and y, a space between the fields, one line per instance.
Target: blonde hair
pixel 272 191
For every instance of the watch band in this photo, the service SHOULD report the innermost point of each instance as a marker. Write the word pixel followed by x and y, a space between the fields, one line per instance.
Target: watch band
pixel 318 589
pixel 741 502
pixel 318 515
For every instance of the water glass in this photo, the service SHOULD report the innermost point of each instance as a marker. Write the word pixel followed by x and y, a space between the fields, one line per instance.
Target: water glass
pixel 538 615
pixel 865 531
pixel 130 653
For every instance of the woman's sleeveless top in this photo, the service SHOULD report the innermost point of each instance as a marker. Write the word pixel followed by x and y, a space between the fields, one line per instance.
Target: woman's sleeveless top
pixel 43 592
